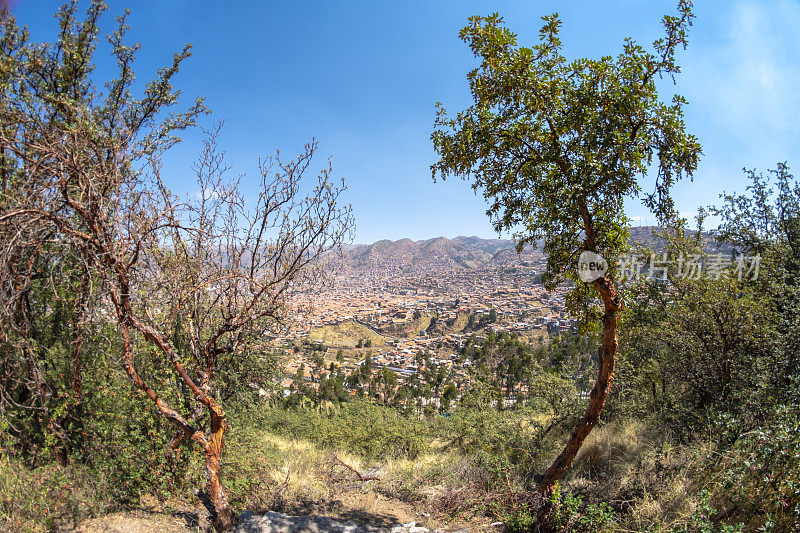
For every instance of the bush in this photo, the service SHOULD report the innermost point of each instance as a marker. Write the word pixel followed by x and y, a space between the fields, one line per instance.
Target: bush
pixel 511 435
pixel 571 514
pixel 45 497
pixel 757 480
pixel 361 427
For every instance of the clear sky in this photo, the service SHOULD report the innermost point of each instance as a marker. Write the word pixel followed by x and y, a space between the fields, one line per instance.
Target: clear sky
pixel 363 78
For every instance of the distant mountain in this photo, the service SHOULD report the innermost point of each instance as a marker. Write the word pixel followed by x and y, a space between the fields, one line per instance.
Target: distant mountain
pixel 460 253
pixel 643 235
pixel 434 255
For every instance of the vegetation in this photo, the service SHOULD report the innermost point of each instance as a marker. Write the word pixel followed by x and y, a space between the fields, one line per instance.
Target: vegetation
pixel 556 146
pixel 182 287
pixel 135 362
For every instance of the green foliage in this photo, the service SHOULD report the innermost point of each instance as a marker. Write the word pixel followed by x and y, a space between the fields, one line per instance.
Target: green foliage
pixel 547 377
pixel 358 426
pixel 697 351
pixel 756 481
pixel 694 349
pixel 490 434
pixel 519 521
pixel 46 496
pixel 571 514
pixel 702 520
pixel 249 461
pixel 567 513
pixel 557 145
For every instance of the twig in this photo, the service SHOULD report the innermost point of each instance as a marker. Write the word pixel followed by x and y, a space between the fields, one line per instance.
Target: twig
pixel 361 477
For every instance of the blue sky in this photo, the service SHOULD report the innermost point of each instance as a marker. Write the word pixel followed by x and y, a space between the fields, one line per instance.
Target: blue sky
pixel 363 78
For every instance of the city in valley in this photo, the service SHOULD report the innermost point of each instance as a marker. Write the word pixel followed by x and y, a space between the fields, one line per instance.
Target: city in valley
pixel 390 302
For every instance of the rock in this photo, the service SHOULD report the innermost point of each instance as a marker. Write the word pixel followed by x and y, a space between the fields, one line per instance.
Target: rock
pixel 411 527
pixel 273 522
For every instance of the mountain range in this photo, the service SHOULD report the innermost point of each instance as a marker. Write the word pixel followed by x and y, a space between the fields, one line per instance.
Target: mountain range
pixel 468 253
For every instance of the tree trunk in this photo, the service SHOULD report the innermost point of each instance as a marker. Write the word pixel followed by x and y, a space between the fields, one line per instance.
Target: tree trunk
pixel 223 519
pixel 607 355
pixel 210 444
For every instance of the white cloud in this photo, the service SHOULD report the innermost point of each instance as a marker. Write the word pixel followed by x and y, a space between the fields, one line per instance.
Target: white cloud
pixel 741 77
pixel 764 63
pixel 748 81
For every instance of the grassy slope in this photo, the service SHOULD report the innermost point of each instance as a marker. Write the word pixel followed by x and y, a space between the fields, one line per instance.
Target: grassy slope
pixel 345 335
pixel 653 485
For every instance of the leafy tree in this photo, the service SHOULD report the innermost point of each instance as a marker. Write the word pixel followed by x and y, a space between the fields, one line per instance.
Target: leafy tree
pixel 706 348
pixel 765 222
pixel 300 376
pixel 556 146
pixel 695 349
pixel 388 381
pixel 319 364
pixel 450 393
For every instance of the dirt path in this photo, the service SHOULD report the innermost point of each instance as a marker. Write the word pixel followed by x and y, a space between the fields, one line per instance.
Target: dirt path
pixel 358 511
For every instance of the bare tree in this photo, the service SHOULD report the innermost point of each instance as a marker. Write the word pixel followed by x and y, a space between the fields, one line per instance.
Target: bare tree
pixel 212 268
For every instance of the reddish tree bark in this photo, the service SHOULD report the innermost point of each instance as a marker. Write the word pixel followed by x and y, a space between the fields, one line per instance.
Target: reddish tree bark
pixel 597 399
pixel 213 454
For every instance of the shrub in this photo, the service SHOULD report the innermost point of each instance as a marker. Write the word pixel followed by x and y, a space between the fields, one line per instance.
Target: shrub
pixel 571 514
pixel 361 427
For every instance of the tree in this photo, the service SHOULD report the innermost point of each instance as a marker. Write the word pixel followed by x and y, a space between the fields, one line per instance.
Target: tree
pixel 389 381
pixel 556 146
pixel 766 222
pixel 82 168
pixel 726 343
pixel 450 394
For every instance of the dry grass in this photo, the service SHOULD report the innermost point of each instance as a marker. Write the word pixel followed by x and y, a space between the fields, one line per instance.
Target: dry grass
pixel 407 489
pixel 650 482
pixel 39 499
pixel 345 335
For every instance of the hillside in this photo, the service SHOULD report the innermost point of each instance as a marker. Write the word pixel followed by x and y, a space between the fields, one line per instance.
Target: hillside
pixel 433 255
pixel 463 253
